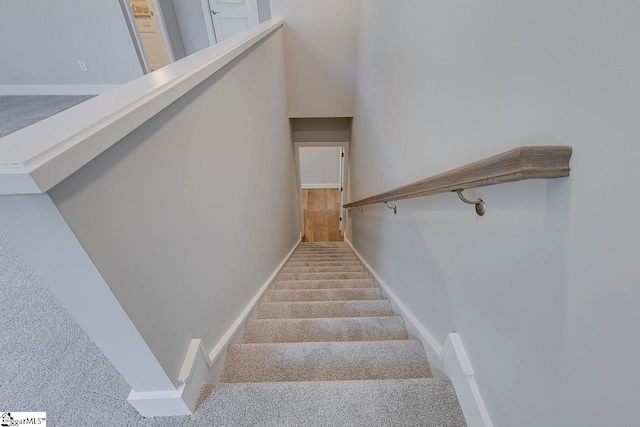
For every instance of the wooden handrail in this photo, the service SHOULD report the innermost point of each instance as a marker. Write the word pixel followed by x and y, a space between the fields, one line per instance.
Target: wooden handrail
pixel 538 162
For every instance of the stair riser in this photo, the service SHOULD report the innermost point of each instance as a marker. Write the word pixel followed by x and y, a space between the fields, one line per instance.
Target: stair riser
pixel 323 276
pixel 323 255
pixel 324 248
pixel 323 284
pixel 318 254
pixel 330 269
pixel 322 258
pixel 289 310
pixel 336 252
pixel 322 263
pixel 323 295
pixel 320 245
pixel 298 251
pixel 318 330
pixel 370 360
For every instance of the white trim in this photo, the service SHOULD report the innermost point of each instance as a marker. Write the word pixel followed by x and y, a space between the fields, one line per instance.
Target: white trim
pixel 135 36
pixel 196 348
pixel 296 152
pixel 159 403
pixel 461 373
pixel 451 358
pixel 433 346
pixel 194 373
pixel 198 367
pixel 55 89
pixel 336 185
pixel 322 144
pixel 162 27
pixel 208 22
pixel 221 346
pixel 38 157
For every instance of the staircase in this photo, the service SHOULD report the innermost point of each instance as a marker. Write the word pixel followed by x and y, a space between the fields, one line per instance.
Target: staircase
pixel 326 349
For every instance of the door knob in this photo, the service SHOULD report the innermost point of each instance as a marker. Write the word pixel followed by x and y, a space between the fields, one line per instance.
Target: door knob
pixel 214 12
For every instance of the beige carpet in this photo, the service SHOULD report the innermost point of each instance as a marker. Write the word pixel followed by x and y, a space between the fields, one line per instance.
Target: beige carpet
pixel 17 112
pixel 326 349
pixel 302 363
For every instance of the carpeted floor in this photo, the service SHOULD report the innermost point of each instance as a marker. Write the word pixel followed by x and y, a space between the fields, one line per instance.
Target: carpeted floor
pixel 17 112
pixel 48 363
pixel 392 403
pixel 303 362
pixel 326 349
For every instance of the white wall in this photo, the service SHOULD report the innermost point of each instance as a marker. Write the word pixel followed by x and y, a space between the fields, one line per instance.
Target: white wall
pixel 264 10
pixel 173 28
pixel 185 236
pixel 544 288
pixel 191 18
pixel 320 42
pixel 42 41
pixel 320 167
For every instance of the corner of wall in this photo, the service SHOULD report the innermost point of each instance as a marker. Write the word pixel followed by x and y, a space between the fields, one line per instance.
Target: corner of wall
pixel 449 360
pixel 200 368
pixel 458 367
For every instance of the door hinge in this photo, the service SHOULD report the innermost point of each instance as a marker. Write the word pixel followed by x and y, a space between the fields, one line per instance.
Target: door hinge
pixel 340 188
pixel 340 218
pixel 342 154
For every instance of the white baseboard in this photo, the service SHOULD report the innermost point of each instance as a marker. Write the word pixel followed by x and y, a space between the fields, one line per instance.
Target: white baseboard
pixel 432 346
pixel 237 328
pixel 461 373
pixel 199 367
pixel 320 186
pixel 159 403
pixel 55 89
pixel 450 359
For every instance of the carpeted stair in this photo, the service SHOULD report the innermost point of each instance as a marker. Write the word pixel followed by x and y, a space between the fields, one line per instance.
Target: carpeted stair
pixel 326 349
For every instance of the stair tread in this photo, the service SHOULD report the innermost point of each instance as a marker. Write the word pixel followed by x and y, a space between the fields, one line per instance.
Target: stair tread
pixel 338 294
pixel 326 348
pixel 325 329
pixel 325 251
pixel 323 269
pixel 334 254
pixel 325 361
pixel 315 258
pixel 409 403
pixel 322 263
pixel 363 308
pixel 323 284
pixel 324 275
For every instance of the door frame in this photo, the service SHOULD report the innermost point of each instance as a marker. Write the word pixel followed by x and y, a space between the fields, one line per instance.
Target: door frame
pixel 162 27
pixel 343 175
pixel 135 34
pixel 208 22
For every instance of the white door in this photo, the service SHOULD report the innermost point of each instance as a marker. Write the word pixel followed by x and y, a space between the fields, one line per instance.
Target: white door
pixel 231 17
pixel 150 33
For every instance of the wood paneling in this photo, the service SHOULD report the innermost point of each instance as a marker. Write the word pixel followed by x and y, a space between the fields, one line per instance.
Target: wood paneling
pixel 515 165
pixel 321 209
